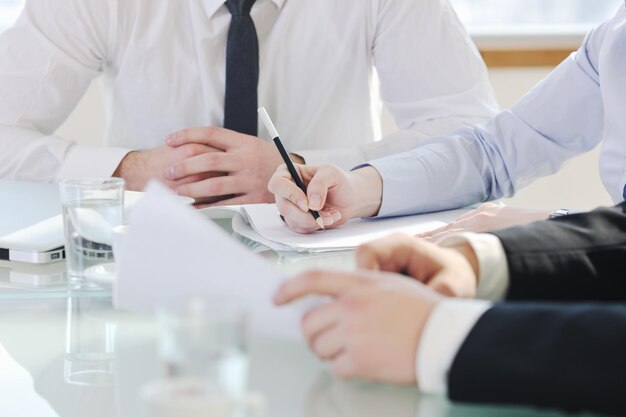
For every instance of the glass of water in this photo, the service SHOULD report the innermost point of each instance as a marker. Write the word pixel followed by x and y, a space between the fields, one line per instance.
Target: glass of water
pixel 205 339
pixel 91 208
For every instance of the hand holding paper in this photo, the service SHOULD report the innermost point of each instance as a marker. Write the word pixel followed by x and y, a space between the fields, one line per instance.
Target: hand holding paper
pixel 172 251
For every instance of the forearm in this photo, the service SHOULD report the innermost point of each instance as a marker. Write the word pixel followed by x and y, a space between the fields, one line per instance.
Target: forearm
pixel 28 155
pixel 572 257
pixel 46 66
pixel 484 163
pixel 547 355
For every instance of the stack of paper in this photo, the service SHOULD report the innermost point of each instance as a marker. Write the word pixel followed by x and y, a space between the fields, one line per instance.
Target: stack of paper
pixel 261 222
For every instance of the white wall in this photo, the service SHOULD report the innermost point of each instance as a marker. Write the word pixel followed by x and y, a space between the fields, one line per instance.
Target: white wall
pixel 577 185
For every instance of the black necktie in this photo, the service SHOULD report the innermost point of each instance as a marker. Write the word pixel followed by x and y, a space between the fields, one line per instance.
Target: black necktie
pixel 242 70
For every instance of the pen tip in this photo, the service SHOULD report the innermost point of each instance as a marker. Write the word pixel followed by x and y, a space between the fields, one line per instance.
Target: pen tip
pixel 320 223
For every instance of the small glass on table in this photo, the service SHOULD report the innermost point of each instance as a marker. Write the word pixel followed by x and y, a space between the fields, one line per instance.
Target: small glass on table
pixel 203 348
pixel 91 208
pixel 205 338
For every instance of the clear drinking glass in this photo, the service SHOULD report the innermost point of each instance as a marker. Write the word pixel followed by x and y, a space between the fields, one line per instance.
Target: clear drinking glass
pixel 206 339
pixel 91 208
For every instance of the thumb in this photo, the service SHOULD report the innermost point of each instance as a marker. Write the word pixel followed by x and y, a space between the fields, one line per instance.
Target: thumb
pixel 367 257
pixel 453 285
pixel 324 179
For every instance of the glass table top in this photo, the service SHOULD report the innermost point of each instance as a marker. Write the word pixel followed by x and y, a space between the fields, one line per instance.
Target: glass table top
pixel 23 281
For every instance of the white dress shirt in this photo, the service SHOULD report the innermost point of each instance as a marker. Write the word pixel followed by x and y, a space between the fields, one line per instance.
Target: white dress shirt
pixel 322 65
pixel 579 104
pixel 453 319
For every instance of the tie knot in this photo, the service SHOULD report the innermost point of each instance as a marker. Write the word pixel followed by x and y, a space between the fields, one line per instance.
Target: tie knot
pixel 239 7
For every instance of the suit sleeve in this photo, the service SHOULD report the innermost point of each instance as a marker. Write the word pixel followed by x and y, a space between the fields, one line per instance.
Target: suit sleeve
pixel 547 355
pixel 576 257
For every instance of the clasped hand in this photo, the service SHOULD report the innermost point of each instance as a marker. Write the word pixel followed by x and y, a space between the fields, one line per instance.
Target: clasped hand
pixel 243 164
pixel 209 164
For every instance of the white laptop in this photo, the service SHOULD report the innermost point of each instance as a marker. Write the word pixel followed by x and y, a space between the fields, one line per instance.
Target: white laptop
pixel 31 225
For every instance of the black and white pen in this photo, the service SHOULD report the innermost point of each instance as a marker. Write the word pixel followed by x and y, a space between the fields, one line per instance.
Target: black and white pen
pixel 292 169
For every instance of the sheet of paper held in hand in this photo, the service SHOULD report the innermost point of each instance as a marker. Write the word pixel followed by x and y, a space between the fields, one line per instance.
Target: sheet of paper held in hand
pixel 172 251
pixel 262 223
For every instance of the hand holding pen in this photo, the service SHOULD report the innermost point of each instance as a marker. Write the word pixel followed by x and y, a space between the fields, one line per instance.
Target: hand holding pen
pixel 337 195
pixel 289 164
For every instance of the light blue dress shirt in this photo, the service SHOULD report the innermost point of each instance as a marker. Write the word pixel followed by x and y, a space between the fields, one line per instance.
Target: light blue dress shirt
pixel 582 102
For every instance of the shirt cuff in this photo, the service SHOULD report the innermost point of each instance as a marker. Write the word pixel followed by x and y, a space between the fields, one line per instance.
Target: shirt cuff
pixel 493 268
pixel 444 333
pixel 90 161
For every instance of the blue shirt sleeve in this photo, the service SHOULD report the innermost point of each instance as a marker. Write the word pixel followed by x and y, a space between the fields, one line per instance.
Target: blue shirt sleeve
pixel 560 117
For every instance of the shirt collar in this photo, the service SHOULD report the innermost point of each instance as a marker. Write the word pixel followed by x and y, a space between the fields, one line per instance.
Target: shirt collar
pixel 213 5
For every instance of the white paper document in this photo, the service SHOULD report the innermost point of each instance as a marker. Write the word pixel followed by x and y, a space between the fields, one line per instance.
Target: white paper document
pixel 171 252
pixel 262 223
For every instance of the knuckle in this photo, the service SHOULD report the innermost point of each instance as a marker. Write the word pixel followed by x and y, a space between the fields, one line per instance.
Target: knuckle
pixel 189 150
pixel 292 197
pixel 181 169
pixel 197 149
pixel 210 159
pixel 274 184
pixel 216 188
pixel 313 276
pixel 445 288
pixel 364 250
pixel 321 349
pixel 352 303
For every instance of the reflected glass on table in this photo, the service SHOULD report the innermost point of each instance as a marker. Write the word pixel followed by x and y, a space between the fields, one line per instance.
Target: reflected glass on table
pixel 205 338
pixel 90 357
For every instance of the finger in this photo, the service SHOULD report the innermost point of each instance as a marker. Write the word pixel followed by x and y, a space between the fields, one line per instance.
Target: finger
pixel 470 214
pixel 344 366
pixel 283 187
pixel 329 343
pixel 435 237
pixel 483 209
pixel 390 253
pixel 195 178
pixel 453 286
pixel 297 220
pixel 317 283
pixel 317 190
pixel 213 187
pixel 319 319
pixel 207 162
pixel 427 235
pixel 217 137
pixel 227 200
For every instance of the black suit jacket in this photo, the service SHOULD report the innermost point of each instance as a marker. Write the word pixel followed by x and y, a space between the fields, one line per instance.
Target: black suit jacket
pixel 563 354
